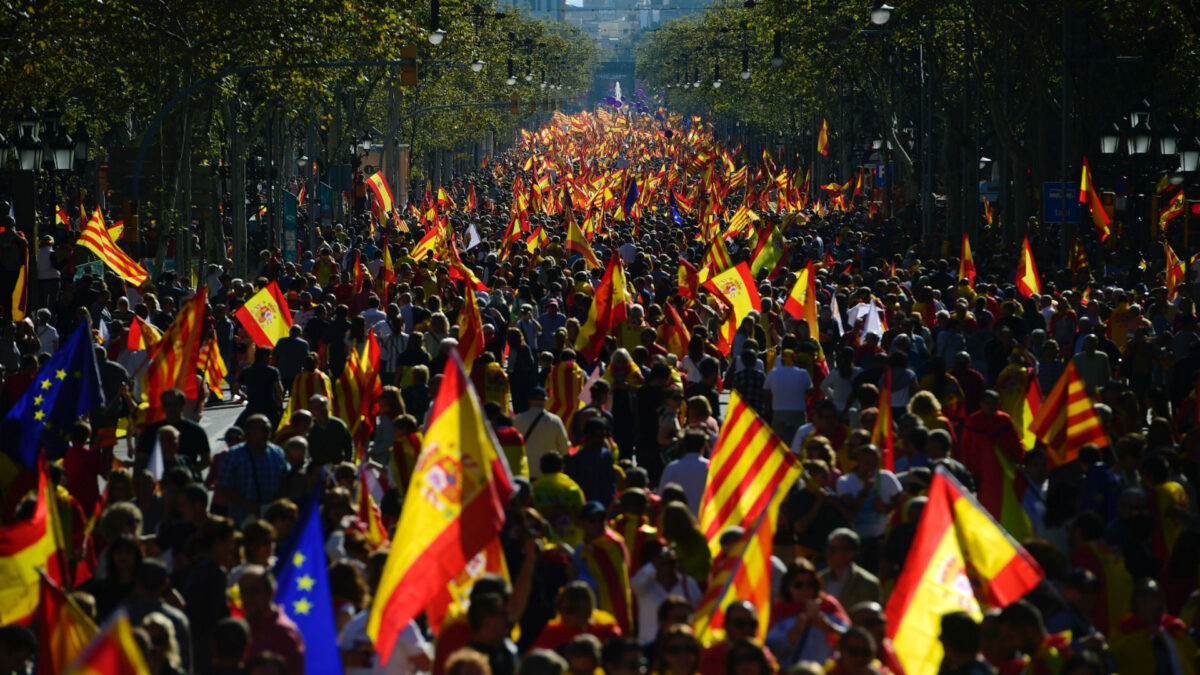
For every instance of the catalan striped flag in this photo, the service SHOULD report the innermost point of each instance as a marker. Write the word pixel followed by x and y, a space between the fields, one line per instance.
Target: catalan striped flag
pixel 744 574
pixel 960 559
pixel 61 217
pixel 769 253
pixel 387 272
pixel 356 392
pixel 1027 276
pixel 564 386
pixel 881 434
pixel 305 386
pixel 428 243
pixel 1174 272
pixel 113 651
pixel 749 463
pixel 607 560
pixel 464 485
pixel 609 305
pixel 173 362
pixel 717 260
pixel 823 138
pixel 382 203
pixel 1066 421
pixel 470 328
pixel 1089 196
pixel 212 365
pixel 96 238
pixel 966 262
pixel 142 335
pixel 25 547
pixel 735 286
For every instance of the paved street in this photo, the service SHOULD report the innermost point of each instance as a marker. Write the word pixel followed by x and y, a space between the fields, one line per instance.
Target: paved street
pixel 216 419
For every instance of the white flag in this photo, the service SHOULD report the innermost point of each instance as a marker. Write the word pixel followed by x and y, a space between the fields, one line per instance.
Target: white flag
pixel 472 237
pixel 156 465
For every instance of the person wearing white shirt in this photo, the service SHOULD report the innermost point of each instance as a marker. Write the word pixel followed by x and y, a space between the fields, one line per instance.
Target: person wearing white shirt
pixel 656 581
pixel 786 389
pixel 690 471
pixel 411 654
pixel 870 494
pixel 372 315
pixel 47 334
pixel 543 431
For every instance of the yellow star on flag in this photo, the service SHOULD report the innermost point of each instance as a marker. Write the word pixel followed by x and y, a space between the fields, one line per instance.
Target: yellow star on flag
pixel 37 400
pixel 39 415
pixel 302 606
pixel 298 559
pixel 45 384
pixel 305 583
pixel 60 374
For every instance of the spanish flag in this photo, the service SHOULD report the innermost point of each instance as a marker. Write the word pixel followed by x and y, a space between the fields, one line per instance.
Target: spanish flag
pixel 25 547
pixel 266 316
pixel 1065 421
pixel 383 203
pixel 1174 208
pixel 769 253
pixel 609 305
pixel 735 286
pixel 823 138
pixel 966 263
pixel 1174 272
pixel 577 243
pixel 689 279
pixel 464 485
pixel 1088 195
pixel 61 218
pixel 113 651
pixel 960 560
pixel 1027 276
pixel 881 434
pixel 673 333
pixel 428 243
pixel 95 238
pixel 142 335
pixel 64 628
pixel 801 303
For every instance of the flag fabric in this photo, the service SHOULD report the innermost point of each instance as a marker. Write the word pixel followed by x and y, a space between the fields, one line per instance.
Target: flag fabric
pixel 1174 208
pixel 356 391
pixel 823 138
pixel 113 651
pixel 745 574
pixel 1174 272
pixel 960 560
pixel 464 485
pixel 470 328
pixel 455 597
pixel 1078 257
pixel 64 629
pixel 577 243
pixel 1027 276
pixel 717 260
pixel 768 254
pixel 609 304
pixel 989 213
pixel 881 434
pixel 212 365
pixel 95 238
pixel 382 203
pixel 1089 196
pixel 1030 407
pixel 266 316
pixel 736 287
pixel 61 217
pixel 689 279
pixel 142 335
pixel 118 229
pixel 471 203
pixel 428 243
pixel 27 546
pixel 172 364
pixel 749 463
pixel 20 293
pixel 1066 421
pixel 674 334
pixel 302 589
pixel 387 272
pixel 966 263
pixel 63 390
pixel 564 387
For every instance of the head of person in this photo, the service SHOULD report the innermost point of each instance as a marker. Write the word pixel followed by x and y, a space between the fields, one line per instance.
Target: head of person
pixel 868 461
pixel 583 654
pixel 542 662
pixel 1149 603
pixel 741 621
pixel 488 618
pixel 575 604
pixel 989 402
pixel 856 650
pixel 679 650
pixel 840 549
pixel 1021 627
pixel 960 635
pixel 258 431
pixel 745 657
pixel 591 519
pixel 537 397
pixel 257 586
pixel 318 405
pixel 800 583
pixel 173 401
pixel 622 656
pixel 870 617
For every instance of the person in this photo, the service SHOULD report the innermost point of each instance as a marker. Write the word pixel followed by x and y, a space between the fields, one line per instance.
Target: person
pixel 151 584
pixel 1023 631
pixel 844 579
pixel 329 440
pixel 411 653
pixel 869 493
pixel 290 353
pixel 658 580
pixel 591 465
pixel 1150 640
pixel 577 615
pixel 542 430
pixel 806 621
pixel 960 641
pixel 270 628
pixel 490 633
pixel 603 562
pixel 558 498
pixel 786 390
pixel 741 624
pixel 263 387
pixel 252 473
pixel 193 439
pixel 690 471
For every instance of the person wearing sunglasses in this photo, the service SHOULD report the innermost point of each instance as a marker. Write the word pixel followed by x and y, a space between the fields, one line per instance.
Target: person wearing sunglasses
pixel 679 652
pixel 871 617
pixel 807 621
pixel 856 654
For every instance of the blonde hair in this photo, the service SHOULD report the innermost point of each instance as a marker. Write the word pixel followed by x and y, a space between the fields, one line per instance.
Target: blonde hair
pixel 924 403
pixel 159 620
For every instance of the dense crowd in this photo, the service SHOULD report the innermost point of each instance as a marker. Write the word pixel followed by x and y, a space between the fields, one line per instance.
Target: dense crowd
pixel 605 562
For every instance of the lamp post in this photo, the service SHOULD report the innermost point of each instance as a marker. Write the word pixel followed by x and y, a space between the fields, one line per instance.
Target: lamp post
pixel 881 13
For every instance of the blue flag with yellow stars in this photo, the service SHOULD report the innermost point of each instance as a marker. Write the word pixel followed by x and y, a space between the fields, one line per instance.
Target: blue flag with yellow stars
pixel 67 388
pixel 303 590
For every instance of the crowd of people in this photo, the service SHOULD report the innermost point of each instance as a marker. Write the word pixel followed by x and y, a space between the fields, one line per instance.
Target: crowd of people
pixel 605 560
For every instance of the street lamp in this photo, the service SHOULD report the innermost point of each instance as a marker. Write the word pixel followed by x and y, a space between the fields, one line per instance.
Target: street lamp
pixel 62 149
pixel 984 162
pixel 511 79
pixel 1139 136
pixel 1189 154
pixel 1168 141
pixel 302 163
pixel 777 54
pixel 881 14
pixel 476 66
pixel 745 74
pixel 1139 113
pixel 716 75
pixel 29 144
pixel 82 144
pixel 436 34
pixel 1110 139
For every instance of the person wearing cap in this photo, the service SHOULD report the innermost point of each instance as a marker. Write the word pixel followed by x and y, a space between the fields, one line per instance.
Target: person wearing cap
pixel 542 430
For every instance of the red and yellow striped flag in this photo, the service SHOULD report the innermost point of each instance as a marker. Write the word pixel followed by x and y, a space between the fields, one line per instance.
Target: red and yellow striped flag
pixel 689 279
pixel 1065 421
pixel 564 386
pixel 748 465
pixel 20 293
pixel 97 240
pixel 142 335
pixel 1027 276
pixel 823 138
pixel 61 217
pixel 266 316
pixel 464 485
pixel 64 627
pixel 1174 208
pixel 368 509
pixel 1174 273
pixel 673 333
pixel 212 365
pixel 609 305
pixel 960 559
pixel 470 328
pixel 717 260
pixel 745 574
pixel 356 392
pixel 1089 196
pixel 26 546
pixel 966 263
pixel 173 361
pixel 1078 258
pixel 578 243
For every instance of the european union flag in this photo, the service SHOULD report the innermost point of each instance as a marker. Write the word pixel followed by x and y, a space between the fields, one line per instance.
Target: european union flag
pixel 303 590
pixel 675 208
pixel 631 196
pixel 67 388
